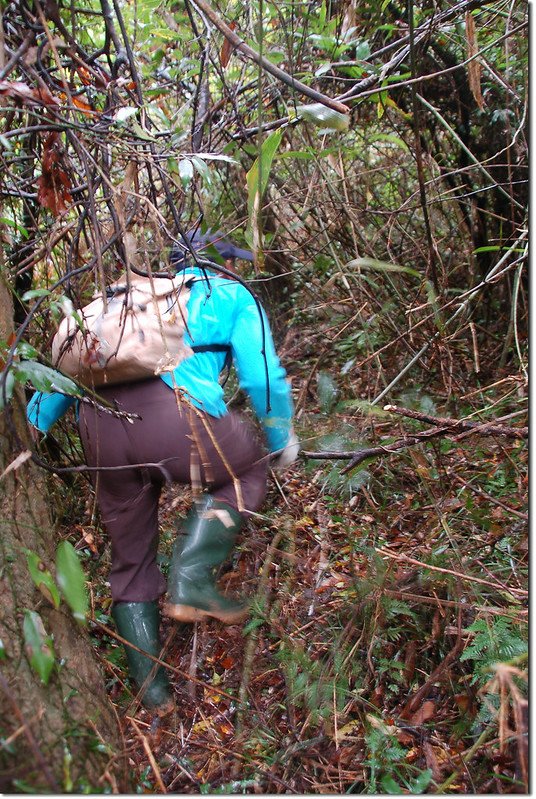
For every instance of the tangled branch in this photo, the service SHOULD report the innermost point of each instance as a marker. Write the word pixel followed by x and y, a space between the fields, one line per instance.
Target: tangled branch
pixel 443 427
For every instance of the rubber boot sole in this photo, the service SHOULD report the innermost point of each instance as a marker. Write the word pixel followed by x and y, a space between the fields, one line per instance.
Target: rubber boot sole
pixel 187 613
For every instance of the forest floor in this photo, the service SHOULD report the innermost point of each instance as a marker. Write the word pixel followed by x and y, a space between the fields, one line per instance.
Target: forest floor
pixel 385 651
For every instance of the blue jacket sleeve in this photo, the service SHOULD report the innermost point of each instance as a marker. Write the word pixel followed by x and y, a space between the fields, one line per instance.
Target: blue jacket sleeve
pixel 247 346
pixel 45 409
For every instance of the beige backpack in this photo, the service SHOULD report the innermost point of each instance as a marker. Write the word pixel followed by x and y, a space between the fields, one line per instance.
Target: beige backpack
pixel 137 333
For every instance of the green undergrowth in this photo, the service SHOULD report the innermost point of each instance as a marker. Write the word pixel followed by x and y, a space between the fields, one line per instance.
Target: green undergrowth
pixel 386 646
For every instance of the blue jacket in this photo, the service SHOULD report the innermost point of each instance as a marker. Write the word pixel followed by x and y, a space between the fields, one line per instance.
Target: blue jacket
pixel 224 314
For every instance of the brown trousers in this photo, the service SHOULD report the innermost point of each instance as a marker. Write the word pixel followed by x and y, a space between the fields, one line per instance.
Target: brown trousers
pixel 170 443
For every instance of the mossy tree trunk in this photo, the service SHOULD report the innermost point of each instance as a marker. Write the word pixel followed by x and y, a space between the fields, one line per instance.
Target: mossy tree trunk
pixel 63 736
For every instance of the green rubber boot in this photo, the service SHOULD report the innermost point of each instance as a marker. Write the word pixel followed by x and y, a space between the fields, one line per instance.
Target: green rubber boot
pixel 210 530
pixel 138 623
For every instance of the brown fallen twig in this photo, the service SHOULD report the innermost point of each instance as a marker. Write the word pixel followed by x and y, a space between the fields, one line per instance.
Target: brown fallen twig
pixel 150 755
pixel 249 760
pixel 444 427
pixel 488 428
pixel 406 596
pixel 419 695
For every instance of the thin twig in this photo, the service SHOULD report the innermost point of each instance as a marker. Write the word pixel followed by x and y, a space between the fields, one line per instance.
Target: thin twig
pixel 358 456
pixel 37 753
pixel 459 575
pixel 220 748
pixel 168 666
pixel 490 428
pixel 468 756
pixel 513 511
pixel 451 603
pixel 419 695
pixel 150 755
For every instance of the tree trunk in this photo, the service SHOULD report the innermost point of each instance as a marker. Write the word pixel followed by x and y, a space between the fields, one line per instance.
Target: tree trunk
pixel 63 736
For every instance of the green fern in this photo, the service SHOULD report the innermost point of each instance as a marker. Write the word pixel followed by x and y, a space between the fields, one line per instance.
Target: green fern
pixel 387 761
pixel 495 640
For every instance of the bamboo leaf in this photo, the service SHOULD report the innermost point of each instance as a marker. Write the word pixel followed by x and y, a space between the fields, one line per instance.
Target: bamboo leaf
pixel 71 580
pixel 140 132
pixel 323 117
pixel 382 266
pixel 474 69
pixel 216 157
pixel 4 220
pixel 257 180
pixel 125 112
pixel 17 462
pixel 186 171
pixel 38 645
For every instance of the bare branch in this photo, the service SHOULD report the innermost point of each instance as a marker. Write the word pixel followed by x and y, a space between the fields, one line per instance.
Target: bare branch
pixel 278 73
pixel 443 427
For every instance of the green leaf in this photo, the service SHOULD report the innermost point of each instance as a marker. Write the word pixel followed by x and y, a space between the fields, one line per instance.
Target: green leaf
pixel 304 155
pixel 7 383
pixel 328 391
pixel 323 117
pixel 391 139
pixel 202 168
pixel 381 266
pixel 496 248
pixel 24 787
pixel 186 171
pixel 141 133
pixel 4 220
pixel 124 113
pixel 2 650
pixel 257 179
pixel 71 580
pixel 43 378
pixel 6 144
pixel 432 299
pixel 421 783
pixel 252 625
pixel 42 578
pixel 25 350
pixel 390 786
pixel 30 295
pixel 275 56
pixel 322 15
pixel 38 644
